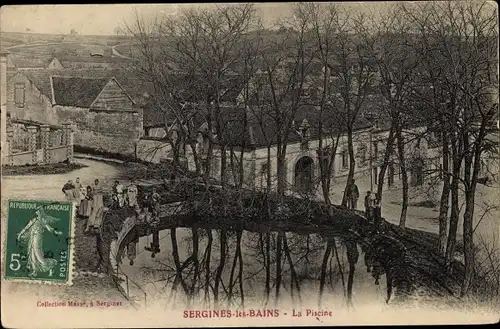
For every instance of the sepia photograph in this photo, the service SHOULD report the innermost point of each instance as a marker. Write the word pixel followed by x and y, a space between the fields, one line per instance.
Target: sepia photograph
pixel 250 164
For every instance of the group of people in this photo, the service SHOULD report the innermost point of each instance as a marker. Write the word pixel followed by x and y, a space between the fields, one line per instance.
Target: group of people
pixel 372 203
pixel 125 195
pixel 89 200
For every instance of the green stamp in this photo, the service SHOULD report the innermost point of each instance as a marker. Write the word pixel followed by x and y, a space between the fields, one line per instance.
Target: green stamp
pixel 38 245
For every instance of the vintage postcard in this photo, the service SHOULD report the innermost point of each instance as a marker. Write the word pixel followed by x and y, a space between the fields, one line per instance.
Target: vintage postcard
pixel 249 164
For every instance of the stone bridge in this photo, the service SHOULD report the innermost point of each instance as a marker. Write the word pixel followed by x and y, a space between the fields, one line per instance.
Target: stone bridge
pixel 257 212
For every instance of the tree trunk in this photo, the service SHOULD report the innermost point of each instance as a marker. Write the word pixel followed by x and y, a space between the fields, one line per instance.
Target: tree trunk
pixel 196 261
pixel 223 165
pixel 404 175
pixel 268 266
pixel 278 266
pixel 207 265
pixel 352 258
pixel 268 178
pixel 445 197
pixel 322 279
pixel 281 171
pixel 352 165
pixel 389 148
pixel 232 281
pixel 455 211
pixel 222 261
pixel 468 242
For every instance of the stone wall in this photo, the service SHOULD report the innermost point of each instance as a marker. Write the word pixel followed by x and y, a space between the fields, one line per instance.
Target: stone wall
pixel 153 150
pixel 37 107
pixel 39 149
pixel 108 131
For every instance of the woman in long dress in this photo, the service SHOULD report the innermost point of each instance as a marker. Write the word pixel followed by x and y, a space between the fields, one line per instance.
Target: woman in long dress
pixel 32 236
pixel 86 204
pixel 77 190
pixel 97 206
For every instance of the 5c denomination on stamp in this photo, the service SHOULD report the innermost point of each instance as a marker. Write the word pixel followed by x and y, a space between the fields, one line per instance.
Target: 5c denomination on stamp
pixel 37 248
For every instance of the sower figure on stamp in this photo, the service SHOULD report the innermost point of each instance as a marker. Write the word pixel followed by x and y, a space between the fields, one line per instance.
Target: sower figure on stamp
pixel 32 236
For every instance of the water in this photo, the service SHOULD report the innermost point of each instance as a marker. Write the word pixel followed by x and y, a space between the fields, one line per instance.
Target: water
pixel 243 274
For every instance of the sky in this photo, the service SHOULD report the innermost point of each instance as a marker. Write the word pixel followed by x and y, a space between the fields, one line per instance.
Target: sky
pixel 99 19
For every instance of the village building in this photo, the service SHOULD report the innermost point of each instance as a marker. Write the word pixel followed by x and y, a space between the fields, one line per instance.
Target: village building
pixel 95 61
pixel 34 63
pixel 103 115
pixel 249 137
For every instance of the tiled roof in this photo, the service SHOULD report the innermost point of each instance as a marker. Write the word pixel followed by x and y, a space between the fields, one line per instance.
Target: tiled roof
pixel 79 92
pixel 31 62
pixel 135 87
pixel 260 128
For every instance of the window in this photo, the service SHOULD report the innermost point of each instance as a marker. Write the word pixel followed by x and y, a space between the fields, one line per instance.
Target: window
pixel 345 160
pixel 19 94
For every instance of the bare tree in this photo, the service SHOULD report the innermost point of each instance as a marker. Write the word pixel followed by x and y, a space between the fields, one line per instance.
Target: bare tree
pixel 460 39
pixel 396 63
pixel 352 72
pixel 192 60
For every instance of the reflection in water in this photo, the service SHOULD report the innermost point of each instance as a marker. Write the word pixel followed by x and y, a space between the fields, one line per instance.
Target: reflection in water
pixel 221 268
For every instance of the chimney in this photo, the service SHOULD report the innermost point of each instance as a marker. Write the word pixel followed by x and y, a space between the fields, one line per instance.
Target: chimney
pixel 3 101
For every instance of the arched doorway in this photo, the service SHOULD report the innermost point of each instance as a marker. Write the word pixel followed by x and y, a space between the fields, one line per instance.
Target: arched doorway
pixel 304 171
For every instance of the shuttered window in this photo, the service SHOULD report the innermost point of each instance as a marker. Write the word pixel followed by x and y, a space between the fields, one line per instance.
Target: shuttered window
pixel 19 94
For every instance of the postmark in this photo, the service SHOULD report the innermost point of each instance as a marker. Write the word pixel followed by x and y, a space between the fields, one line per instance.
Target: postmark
pixel 37 244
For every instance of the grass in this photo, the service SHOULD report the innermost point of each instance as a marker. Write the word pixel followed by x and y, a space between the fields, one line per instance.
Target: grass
pixel 48 169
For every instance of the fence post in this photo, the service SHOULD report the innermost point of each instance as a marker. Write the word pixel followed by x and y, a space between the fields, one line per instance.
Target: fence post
pixel 68 140
pixel 7 151
pixel 45 131
pixel 33 131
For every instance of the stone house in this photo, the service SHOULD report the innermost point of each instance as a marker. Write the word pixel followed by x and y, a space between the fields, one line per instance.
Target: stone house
pixel 251 142
pixel 103 114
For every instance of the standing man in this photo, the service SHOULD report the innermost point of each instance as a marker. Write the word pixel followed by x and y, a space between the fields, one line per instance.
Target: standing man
pixel 353 195
pixel 368 205
pixel 132 194
pixel 120 195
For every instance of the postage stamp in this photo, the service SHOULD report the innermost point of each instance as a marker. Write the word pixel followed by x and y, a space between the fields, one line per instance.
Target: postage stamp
pixel 38 246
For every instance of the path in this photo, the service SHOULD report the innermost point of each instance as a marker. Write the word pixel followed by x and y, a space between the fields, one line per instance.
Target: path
pixel 118 54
